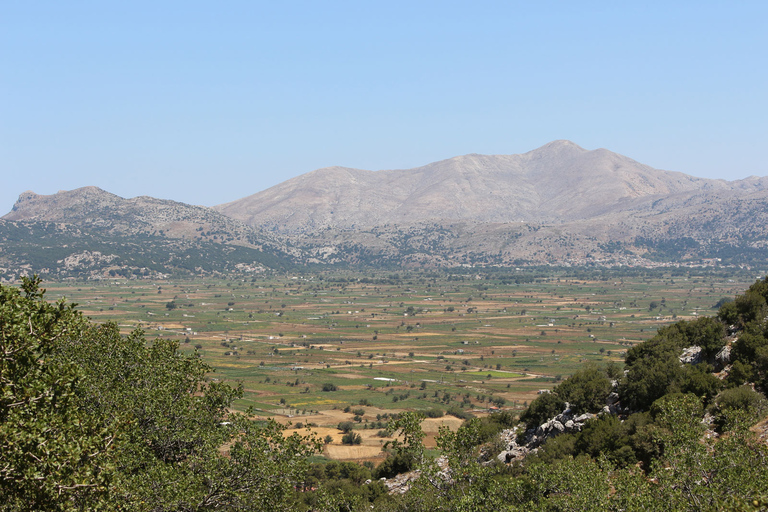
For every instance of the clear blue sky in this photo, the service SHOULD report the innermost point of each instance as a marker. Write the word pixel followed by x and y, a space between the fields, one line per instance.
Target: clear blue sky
pixel 206 102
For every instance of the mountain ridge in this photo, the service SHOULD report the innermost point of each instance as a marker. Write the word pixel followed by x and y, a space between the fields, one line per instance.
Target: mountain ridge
pixel 553 183
pixel 558 204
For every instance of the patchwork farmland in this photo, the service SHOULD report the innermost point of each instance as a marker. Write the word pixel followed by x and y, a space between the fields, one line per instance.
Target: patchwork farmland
pixel 319 349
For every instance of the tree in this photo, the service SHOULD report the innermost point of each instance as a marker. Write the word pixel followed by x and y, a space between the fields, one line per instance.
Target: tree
pixel 346 426
pixel 351 438
pixel 91 419
pixel 54 455
pixel 543 408
pixel 585 390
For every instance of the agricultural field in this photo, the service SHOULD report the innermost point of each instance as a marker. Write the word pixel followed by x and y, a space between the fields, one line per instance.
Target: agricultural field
pixel 320 349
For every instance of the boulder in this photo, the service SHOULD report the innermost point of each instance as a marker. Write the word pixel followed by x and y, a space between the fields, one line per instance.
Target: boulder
pixel 723 357
pixel 691 355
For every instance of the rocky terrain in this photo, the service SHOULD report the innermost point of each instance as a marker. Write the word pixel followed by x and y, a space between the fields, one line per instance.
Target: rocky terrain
pixel 92 233
pixel 556 205
pixel 555 184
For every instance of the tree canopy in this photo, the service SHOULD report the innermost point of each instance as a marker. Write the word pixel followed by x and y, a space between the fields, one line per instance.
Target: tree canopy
pixel 91 419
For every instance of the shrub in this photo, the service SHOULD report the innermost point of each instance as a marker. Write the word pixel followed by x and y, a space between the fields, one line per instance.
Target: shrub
pixel 739 404
pixel 351 438
pixel 541 409
pixel 434 413
pixel 462 415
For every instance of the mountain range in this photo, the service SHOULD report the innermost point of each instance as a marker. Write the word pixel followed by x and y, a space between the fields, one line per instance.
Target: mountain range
pixel 559 204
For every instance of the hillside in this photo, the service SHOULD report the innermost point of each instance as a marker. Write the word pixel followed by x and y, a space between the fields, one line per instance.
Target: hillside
pixel 557 183
pixel 91 232
pixel 559 204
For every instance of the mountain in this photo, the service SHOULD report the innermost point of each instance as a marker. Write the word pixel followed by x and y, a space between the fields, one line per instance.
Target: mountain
pixel 559 204
pixel 91 232
pixel 556 183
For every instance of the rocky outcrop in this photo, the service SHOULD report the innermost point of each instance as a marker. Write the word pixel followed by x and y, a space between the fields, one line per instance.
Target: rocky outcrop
pixel 400 484
pixel 565 422
pixel 691 355
pixel 723 358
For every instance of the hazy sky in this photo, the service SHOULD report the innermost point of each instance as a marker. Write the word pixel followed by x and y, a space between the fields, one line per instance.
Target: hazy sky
pixel 207 102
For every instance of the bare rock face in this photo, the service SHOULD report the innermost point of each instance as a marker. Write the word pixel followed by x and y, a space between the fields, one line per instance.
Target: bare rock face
pixel 565 422
pixel 558 204
pixel 89 207
pixel 723 357
pixel 691 355
pixel 559 181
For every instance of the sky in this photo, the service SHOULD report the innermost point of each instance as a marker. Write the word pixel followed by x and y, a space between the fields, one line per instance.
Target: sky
pixel 207 102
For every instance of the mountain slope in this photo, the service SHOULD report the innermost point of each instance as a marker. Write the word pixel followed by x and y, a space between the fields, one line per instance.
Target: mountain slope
pixel 92 232
pixel 559 182
pixel 559 204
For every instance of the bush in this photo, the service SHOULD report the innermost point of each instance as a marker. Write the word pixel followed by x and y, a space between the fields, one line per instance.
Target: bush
pixel 541 409
pixel 328 386
pixel 586 390
pixel 351 438
pixel 745 350
pixel 491 425
pixel 739 404
pixel 434 413
pixel 462 415
pixel 395 465
pixel 346 426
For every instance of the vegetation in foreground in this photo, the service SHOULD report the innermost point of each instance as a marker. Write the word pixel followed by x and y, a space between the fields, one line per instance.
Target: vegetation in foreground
pixel 94 420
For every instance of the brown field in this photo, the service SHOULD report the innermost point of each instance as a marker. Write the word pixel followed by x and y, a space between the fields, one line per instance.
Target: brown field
pixel 284 336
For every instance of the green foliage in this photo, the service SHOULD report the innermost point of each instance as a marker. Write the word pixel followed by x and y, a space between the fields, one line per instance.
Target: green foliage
pixel 557 447
pixel 654 369
pixel 747 307
pixel 750 341
pixel 394 464
pixel 570 484
pixel 346 426
pixel 697 474
pixel 740 373
pixel 489 426
pixel 54 456
pixel 606 435
pixel 700 381
pixel 351 438
pixel 741 404
pixel 459 413
pixel 434 413
pixel 95 420
pixel 722 302
pixel 544 407
pixel 585 390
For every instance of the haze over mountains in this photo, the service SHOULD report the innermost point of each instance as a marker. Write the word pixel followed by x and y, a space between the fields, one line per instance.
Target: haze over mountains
pixel 558 204
pixel 559 182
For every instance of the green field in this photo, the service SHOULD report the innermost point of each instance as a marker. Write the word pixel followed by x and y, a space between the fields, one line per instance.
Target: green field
pixel 395 341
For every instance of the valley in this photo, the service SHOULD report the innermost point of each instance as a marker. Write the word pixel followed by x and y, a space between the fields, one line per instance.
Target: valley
pixel 319 349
